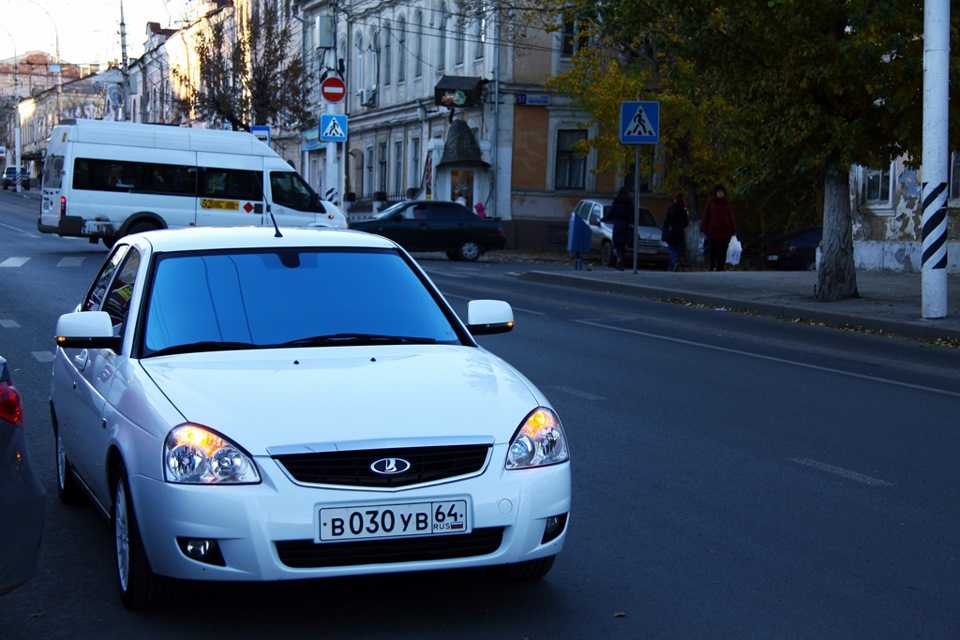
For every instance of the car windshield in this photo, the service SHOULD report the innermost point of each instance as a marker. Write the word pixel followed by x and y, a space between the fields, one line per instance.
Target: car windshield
pixel 293 297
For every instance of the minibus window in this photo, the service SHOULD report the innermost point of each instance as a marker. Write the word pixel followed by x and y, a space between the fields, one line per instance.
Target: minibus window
pixel 290 190
pixel 53 172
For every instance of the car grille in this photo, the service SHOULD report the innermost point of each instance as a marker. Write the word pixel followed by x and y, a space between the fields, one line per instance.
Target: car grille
pixel 306 554
pixel 352 468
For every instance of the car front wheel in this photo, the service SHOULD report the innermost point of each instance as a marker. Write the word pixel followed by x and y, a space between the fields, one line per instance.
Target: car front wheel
pixel 607 258
pixel 140 587
pixel 469 251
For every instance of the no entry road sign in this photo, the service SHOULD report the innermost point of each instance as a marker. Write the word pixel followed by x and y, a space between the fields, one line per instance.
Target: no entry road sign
pixel 333 89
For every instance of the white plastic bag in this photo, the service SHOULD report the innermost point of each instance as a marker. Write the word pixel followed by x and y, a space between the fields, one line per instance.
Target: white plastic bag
pixel 734 249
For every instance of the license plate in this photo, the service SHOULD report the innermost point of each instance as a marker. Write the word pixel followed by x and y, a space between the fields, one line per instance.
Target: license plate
pixel 394 520
pixel 648 251
pixel 773 258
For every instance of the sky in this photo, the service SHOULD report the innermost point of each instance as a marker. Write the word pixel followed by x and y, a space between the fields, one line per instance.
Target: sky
pixel 88 30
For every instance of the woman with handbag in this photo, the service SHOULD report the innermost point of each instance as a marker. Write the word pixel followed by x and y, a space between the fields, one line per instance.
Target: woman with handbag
pixel 674 223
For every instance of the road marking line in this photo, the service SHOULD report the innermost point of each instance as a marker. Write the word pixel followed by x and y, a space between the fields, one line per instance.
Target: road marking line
pixel 43 356
pixel 70 262
pixel 577 392
pixel 840 471
pixel 14 262
pixel 758 356
pixel 9 324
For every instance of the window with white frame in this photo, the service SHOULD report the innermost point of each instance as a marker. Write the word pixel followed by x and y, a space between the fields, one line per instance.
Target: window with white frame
pixel 479 35
pixel 401 49
pixel 359 61
pixel 570 40
pixel 418 61
pixel 368 181
pixel 460 36
pixel 414 179
pixel 876 186
pixel 571 167
pixel 954 179
pixel 387 48
pixel 442 40
pixel 397 166
pixel 382 168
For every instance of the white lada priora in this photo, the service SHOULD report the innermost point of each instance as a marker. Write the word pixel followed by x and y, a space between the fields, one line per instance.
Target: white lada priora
pixel 255 404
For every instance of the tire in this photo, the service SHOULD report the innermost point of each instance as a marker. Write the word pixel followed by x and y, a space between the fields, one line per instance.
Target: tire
pixel 607 258
pixel 453 255
pixel 139 227
pixel 469 251
pixel 140 588
pixel 523 571
pixel 68 487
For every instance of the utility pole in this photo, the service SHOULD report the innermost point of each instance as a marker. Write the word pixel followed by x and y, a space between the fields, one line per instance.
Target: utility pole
pixel 935 159
pixel 124 68
pixel 16 117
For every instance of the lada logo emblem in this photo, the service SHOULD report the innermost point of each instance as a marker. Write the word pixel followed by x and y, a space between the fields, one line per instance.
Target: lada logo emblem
pixel 390 466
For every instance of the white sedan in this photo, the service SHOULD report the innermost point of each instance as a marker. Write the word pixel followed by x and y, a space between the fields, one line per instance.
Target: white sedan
pixel 252 404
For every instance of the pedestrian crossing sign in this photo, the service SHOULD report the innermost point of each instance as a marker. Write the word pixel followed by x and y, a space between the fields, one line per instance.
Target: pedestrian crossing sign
pixel 639 122
pixel 333 127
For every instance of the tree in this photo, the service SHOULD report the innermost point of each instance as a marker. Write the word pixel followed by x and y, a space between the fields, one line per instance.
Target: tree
pixel 808 88
pixel 247 74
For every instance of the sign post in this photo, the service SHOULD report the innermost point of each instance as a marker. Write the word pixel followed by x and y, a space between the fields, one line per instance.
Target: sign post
pixel 639 124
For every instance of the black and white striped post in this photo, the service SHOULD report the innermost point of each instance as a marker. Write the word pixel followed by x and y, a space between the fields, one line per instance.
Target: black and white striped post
pixel 936 74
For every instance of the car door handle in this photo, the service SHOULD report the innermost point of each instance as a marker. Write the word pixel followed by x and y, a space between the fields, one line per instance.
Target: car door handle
pixel 80 360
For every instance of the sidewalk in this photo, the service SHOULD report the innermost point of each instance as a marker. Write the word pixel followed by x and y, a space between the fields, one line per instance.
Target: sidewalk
pixel 889 303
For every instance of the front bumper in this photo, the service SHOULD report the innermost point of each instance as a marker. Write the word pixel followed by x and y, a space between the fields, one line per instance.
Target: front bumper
pixel 267 532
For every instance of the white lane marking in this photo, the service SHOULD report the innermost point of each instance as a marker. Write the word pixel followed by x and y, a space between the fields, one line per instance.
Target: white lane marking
pixel 840 471
pixel 26 233
pixel 758 356
pixel 9 324
pixel 70 262
pixel 577 392
pixel 14 262
pixel 43 356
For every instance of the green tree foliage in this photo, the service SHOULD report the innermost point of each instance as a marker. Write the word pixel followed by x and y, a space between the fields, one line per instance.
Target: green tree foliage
pixel 787 93
pixel 247 74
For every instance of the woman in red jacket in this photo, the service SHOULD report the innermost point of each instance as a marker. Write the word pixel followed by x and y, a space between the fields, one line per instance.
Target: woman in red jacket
pixel 718 226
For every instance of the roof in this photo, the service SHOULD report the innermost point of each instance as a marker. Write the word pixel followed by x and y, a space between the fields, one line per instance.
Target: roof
pixel 203 238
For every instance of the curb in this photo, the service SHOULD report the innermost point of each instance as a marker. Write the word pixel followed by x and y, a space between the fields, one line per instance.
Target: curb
pixel 926 330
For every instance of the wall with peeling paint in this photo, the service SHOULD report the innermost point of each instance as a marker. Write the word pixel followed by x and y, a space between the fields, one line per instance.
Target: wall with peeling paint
pixel 888 235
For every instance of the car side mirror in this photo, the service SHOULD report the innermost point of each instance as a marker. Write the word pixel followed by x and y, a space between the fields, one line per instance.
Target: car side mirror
pixel 486 317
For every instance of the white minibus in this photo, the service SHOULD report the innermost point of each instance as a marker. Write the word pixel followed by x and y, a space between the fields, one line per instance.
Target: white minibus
pixel 103 180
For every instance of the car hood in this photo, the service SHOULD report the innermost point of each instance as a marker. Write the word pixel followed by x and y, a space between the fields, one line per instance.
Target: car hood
pixel 262 399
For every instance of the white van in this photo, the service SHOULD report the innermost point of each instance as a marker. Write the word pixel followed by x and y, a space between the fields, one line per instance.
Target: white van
pixel 103 180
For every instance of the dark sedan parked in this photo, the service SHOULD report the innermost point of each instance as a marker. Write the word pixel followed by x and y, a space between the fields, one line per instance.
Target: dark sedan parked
pixel 794 250
pixel 22 497
pixel 437 225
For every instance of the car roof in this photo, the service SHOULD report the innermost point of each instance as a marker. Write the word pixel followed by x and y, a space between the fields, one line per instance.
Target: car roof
pixel 202 238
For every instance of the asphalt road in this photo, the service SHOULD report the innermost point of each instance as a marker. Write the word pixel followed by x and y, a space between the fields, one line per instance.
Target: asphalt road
pixel 733 476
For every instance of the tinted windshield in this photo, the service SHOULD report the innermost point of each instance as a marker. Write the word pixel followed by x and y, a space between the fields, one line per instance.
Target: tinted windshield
pixel 272 297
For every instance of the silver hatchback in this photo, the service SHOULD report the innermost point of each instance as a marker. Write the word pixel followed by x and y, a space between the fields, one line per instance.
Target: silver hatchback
pixel 650 247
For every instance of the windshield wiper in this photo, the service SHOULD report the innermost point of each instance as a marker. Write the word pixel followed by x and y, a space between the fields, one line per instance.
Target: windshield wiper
pixel 343 339
pixel 204 345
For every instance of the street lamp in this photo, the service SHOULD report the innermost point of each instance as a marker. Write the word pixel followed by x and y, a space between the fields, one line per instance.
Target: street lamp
pixel 16 121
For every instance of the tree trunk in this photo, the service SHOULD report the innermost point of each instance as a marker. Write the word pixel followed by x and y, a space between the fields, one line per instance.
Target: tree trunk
pixel 837 278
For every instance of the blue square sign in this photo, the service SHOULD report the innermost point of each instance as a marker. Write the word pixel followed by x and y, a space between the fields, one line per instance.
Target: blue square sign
pixel 333 127
pixel 639 122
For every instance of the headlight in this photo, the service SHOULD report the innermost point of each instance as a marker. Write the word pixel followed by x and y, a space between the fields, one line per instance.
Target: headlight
pixel 194 455
pixel 538 442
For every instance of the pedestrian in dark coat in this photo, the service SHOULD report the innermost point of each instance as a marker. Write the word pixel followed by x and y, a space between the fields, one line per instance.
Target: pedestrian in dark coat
pixel 718 226
pixel 620 215
pixel 674 223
